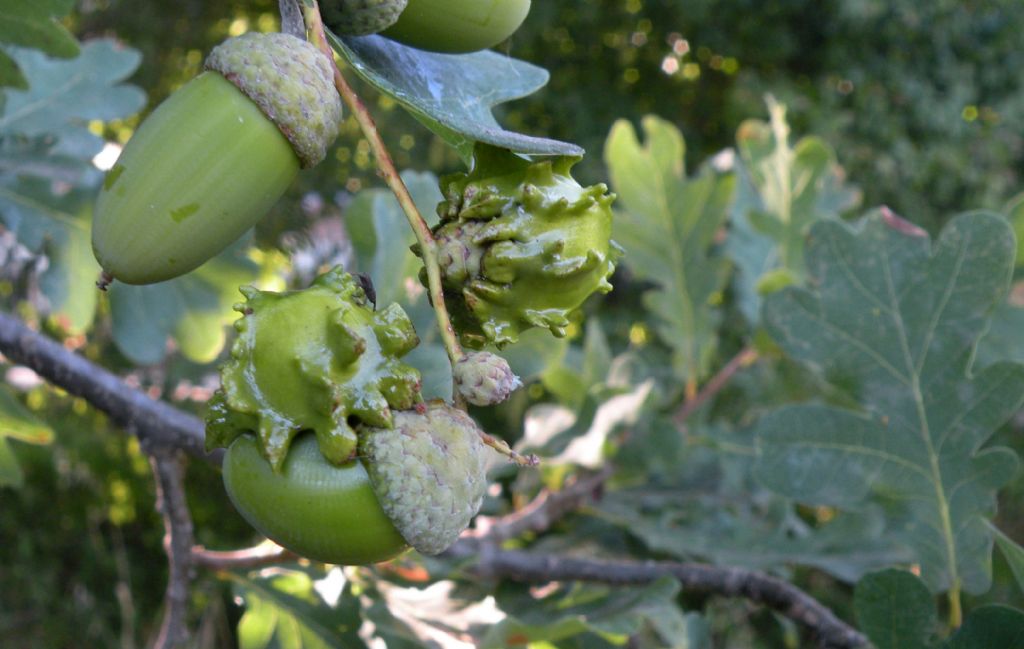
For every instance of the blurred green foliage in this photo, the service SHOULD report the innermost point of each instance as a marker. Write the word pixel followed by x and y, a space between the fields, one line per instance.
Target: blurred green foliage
pixel 921 100
pixel 81 553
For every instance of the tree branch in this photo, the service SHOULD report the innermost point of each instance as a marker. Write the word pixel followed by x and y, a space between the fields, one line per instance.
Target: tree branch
pixel 829 631
pixel 169 471
pixel 542 512
pixel 484 545
pixel 248 558
pixel 291 18
pixel 158 425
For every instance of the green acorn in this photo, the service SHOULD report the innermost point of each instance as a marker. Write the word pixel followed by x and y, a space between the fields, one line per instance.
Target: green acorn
pixel 458 26
pixel 214 157
pixel 429 473
pixel 361 17
pixel 320 359
pixel 521 244
pixel 417 484
pixel 318 510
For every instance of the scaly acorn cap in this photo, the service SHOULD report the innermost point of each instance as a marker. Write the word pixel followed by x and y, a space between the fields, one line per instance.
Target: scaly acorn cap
pixel 521 244
pixel 361 17
pixel 291 81
pixel 429 473
pixel 318 359
pixel 484 379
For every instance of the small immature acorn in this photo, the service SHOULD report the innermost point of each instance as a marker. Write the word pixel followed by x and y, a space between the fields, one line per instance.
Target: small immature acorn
pixel 319 359
pixel 214 157
pixel 484 379
pixel 360 17
pixel 521 244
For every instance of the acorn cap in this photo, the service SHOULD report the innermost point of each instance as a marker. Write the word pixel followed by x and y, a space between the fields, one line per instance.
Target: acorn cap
pixel 429 474
pixel 291 81
pixel 361 17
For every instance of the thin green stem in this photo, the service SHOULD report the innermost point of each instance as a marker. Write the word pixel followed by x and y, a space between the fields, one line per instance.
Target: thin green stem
pixel 386 167
pixel 695 399
pixel 502 447
pixel 956 613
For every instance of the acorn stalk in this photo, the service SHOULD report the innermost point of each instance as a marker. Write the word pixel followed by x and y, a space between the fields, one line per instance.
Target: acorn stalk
pixel 215 157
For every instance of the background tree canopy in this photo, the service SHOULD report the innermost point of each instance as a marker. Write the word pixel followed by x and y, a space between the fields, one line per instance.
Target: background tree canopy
pixel 920 101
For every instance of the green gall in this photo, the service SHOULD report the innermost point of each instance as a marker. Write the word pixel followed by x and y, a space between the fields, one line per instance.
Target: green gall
pixel 521 244
pixel 319 359
pixel 429 473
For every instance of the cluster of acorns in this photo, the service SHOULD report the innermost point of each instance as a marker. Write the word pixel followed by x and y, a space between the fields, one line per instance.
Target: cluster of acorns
pixel 332 451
